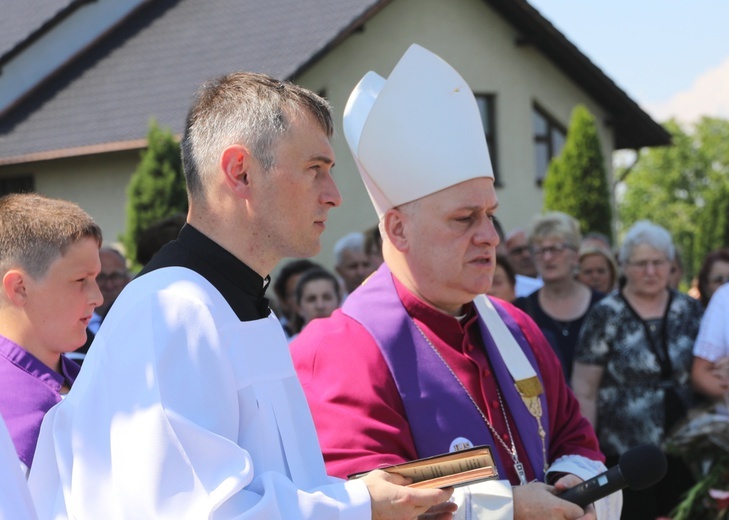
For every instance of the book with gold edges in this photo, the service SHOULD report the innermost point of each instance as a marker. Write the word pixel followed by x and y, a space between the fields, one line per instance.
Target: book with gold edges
pixel 458 468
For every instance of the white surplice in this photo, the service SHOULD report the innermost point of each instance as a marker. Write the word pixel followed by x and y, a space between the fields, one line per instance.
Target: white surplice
pixel 15 503
pixel 183 411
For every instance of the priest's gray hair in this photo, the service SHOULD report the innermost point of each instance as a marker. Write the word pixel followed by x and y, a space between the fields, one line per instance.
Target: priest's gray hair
pixel 645 232
pixel 244 108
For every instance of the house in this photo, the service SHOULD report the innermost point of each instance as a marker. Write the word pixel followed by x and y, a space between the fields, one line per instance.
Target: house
pixel 80 80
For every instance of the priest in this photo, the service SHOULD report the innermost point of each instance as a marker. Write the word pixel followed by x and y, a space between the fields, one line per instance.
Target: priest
pixel 418 362
pixel 188 405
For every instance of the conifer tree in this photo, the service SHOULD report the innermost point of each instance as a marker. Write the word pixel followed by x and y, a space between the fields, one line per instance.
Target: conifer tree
pixel 157 187
pixel 576 182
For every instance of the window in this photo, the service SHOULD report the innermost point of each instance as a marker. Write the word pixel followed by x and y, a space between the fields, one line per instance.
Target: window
pixel 486 106
pixel 21 184
pixel 549 139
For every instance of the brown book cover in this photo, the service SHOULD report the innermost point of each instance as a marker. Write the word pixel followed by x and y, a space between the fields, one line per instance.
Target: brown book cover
pixel 458 468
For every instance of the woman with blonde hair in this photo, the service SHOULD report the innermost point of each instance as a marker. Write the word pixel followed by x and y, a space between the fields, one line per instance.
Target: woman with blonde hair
pixel 560 306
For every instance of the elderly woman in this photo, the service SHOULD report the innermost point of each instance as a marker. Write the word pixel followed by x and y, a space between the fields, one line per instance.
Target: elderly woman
pixel 597 269
pixel 633 362
pixel 560 306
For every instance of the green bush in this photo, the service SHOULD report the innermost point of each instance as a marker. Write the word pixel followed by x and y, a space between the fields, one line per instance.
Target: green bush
pixel 576 182
pixel 157 187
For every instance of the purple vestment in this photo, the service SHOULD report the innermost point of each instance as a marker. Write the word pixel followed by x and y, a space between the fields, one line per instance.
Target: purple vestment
pixel 437 407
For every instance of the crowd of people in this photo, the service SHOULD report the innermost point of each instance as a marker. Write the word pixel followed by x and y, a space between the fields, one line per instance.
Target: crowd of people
pixel 434 331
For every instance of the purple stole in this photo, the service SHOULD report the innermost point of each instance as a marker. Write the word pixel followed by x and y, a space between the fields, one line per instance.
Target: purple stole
pixel 437 407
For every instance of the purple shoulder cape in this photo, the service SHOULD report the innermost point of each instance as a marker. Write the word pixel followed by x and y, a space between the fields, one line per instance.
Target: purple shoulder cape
pixel 437 407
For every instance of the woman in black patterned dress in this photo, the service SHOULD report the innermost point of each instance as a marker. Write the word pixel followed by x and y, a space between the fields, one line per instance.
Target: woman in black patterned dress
pixel 633 363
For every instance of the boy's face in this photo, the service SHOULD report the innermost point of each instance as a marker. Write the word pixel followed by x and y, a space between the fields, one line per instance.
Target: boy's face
pixel 59 305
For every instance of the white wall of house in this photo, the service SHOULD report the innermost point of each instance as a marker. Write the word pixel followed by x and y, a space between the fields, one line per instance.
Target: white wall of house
pixel 97 183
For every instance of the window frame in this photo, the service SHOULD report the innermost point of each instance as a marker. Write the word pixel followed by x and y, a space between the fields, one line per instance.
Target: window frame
pixel 489 128
pixel 21 183
pixel 552 126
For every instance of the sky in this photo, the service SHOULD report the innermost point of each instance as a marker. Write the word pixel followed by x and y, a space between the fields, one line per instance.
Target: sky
pixel 670 56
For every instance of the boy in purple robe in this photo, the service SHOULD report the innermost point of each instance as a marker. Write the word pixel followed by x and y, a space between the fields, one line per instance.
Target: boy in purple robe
pixel 49 260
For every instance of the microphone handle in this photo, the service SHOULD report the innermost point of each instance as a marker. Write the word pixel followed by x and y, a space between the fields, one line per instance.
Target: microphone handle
pixel 589 491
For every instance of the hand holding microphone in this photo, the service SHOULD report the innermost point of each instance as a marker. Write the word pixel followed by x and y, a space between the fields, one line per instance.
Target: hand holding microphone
pixel 637 468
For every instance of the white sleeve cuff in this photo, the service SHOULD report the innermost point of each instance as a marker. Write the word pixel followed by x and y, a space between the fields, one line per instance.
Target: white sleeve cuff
pixel 358 501
pixel 607 508
pixel 492 499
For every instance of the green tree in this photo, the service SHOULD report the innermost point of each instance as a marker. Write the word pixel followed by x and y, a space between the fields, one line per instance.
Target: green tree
pixel 684 188
pixel 712 136
pixel 576 181
pixel 157 187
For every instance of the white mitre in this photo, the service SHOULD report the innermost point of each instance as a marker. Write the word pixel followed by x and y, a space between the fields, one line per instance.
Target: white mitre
pixel 416 133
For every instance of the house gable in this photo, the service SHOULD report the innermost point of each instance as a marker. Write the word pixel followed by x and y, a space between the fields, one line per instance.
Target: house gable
pixel 151 65
pixel 97 107
pixel 478 42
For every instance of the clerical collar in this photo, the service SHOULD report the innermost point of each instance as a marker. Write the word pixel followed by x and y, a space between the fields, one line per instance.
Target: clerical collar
pixel 449 328
pixel 241 286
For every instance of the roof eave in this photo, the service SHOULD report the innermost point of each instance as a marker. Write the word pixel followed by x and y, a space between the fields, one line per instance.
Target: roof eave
pixel 633 127
pixel 77 151
pixel 354 26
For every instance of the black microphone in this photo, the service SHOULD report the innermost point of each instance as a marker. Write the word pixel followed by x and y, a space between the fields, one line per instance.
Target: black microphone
pixel 637 468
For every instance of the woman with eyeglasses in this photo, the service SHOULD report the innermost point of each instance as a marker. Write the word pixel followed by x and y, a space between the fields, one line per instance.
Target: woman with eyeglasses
pixel 560 305
pixel 633 363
